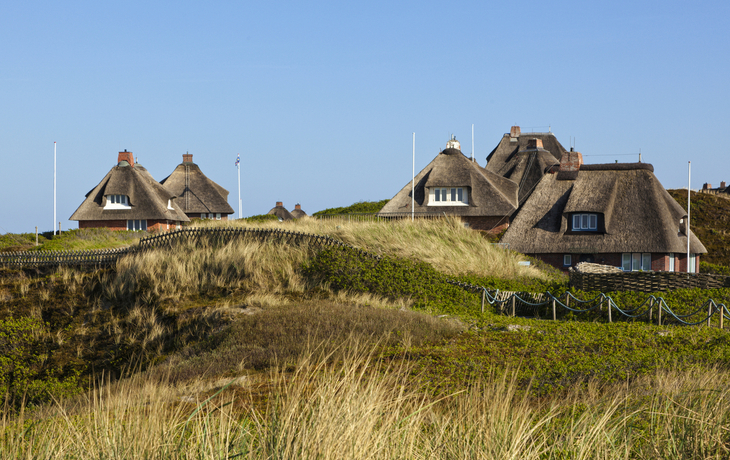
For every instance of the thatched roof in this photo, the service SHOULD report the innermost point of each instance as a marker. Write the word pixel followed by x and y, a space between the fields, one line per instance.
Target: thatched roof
pixel 518 159
pixel 280 211
pixel 147 198
pixel 637 214
pixel 489 194
pixel 195 191
pixel 297 213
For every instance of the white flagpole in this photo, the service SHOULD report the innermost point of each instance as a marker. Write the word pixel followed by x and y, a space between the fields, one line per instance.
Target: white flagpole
pixel 472 142
pixel 54 187
pixel 689 180
pixel 238 164
pixel 413 182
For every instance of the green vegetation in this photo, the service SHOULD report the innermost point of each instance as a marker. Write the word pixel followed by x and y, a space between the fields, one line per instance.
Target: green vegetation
pixel 270 350
pixel 71 240
pixel 367 207
pixel 259 218
pixel 710 221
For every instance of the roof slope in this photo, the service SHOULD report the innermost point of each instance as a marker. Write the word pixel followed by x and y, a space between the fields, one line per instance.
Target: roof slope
pixel 489 193
pixel 147 198
pixel 640 216
pixel 515 160
pixel 281 212
pixel 196 192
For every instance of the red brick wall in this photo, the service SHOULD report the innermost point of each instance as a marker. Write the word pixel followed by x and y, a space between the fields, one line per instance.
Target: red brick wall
pixel 659 262
pixel 152 225
pixel 488 224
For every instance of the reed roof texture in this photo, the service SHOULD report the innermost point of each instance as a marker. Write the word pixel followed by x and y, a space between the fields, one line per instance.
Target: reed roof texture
pixel 638 215
pixel 281 212
pixel 489 194
pixel 195 191
pixel 298 213
pixel 515 160
pixel 147 198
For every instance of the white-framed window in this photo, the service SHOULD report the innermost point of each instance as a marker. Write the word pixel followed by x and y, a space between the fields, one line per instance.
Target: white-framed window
pixel 137 225
pixel 585 222
pixel 202 215
pixel 567 260
pixel 635 261
pixel 671 262
pixel 217 216
pixel 448 196
pixel 692 267
pixel 117 202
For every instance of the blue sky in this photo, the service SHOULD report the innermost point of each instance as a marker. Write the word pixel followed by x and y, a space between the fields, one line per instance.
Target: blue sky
pixel 321 98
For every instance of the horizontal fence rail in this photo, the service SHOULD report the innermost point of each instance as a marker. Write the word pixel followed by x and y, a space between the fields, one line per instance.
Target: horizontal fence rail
pixel 506 302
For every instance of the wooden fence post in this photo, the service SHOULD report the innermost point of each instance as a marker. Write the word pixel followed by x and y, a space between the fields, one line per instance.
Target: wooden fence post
pixel 709 314
pixel 484 296
pixel 722 316
pixel 554 317
pixel 659 314
pixel 513 304
pixel 651 309
pixel 610 320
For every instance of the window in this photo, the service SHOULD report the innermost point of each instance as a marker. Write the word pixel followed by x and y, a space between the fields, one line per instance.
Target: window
pixel 692 267
pixel 452 196
pixel 117 202
pixel 585 222
pixel 567 260
pixel 671 262
pixel 217 216
pixel 136 225
pixel 635 261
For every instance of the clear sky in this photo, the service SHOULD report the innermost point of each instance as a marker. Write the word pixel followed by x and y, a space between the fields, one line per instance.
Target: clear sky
pixel 321 98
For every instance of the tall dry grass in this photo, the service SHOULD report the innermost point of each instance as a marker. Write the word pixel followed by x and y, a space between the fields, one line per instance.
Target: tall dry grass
pixel 444 243
pixel 364 408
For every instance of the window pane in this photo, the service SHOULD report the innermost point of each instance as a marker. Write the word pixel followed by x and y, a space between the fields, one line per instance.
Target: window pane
pixel 576 221
pixel 443 194
pixel 593 221
pixel 130 225
pixel 626 262
pixel 143 225
pixel 584 221
pixel 460 194
pixel 567 259
pixel 635 261
pixel 453 194
pixel 671 262
pixel 646 262
pixel 436 195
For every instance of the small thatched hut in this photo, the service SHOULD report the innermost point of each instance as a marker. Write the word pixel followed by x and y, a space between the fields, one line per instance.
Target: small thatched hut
pixel 280 211
pixel 453 184
pixel 613 214
pixel 297 213
pixel 128 198
pixel 199 197
pixel 524 157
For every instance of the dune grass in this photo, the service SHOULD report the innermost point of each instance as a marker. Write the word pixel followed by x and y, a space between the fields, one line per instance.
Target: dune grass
pixel 362 407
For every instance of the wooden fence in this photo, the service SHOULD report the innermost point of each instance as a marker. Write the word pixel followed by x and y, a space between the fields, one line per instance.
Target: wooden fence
pixel 31 259
pixel 646 281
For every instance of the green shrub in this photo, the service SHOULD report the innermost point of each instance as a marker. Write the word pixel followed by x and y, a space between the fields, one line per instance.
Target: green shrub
pixel 366 207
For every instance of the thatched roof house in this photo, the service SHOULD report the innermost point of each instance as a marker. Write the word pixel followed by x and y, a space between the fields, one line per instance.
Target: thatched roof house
pixel 128 198
pixel 280 211
pixel 613 214
pixel 297 213
pixel 198 196
pixel 453 184
pixel 524 157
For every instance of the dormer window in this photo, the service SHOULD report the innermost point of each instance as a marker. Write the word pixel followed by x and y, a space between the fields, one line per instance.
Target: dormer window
pixel 448 196
pixel 117 202
pixel 585 222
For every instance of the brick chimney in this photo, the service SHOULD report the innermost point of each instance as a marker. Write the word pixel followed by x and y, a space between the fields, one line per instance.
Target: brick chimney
pixel 723 185
pixel 514 131
pixel 706 186
pixel 279 203
pixel 534 144
pixel 298 206
pixel 187 157
pixel 571 161
pixel 126 156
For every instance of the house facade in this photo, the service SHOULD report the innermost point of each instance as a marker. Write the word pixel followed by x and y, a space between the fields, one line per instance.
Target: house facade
pixel 129 198
pixel 613 214
pixel 198 196
pixel 452 184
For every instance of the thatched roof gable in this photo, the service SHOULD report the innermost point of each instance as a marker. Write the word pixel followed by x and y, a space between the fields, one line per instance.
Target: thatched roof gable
pixel 640 216
pixel 196 192
pixel 147 198
pixel 489 193
pixel 280 211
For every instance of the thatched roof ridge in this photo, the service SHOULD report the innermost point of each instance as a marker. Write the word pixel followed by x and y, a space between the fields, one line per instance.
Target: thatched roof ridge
pixel 196 192
pixel 489 193
pixel 147 198
pixel 297 213
pixel 640 216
